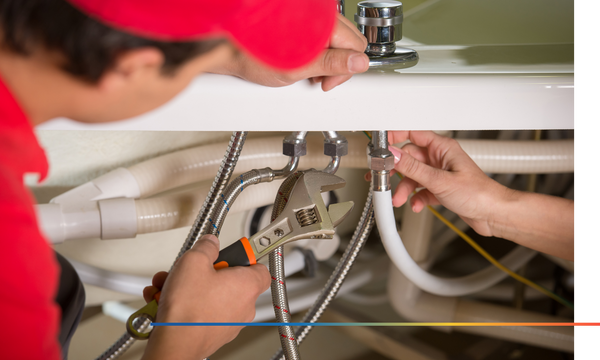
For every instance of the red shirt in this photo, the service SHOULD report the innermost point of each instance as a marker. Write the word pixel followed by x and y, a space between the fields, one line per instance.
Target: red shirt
pixel 28 269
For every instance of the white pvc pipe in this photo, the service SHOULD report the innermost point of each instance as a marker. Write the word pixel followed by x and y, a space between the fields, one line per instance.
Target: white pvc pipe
pixel 469 284
pixel 124 283
pixel 304 291
pixel 559 338
pixel 134 285
pixel 117 310
pixel 419 306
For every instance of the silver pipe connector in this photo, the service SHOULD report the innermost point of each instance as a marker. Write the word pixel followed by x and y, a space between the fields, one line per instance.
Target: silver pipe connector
pixel 295 144
pixel 381 161
pixel 290 168
pixel 336 146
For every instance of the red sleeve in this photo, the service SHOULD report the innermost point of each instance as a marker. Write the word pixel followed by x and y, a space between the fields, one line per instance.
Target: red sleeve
pixel 29 275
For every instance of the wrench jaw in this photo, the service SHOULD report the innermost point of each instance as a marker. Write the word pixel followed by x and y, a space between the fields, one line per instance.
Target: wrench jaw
pixel 305 216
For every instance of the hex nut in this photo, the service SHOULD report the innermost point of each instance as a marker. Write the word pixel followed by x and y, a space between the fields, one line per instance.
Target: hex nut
pixel 335 149
pixel 294 149
pixel 381 164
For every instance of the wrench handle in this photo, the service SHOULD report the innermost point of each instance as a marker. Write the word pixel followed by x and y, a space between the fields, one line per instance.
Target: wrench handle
pixel 239 253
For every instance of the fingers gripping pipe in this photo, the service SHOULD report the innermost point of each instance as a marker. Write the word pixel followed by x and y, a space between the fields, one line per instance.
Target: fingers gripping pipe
pixel 394 246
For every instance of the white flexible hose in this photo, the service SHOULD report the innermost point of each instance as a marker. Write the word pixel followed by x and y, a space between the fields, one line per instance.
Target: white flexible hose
pixel 180 209
pixel 124 283
pixel 521 157
pixel 134 285
pixel 465 285
pixel 200 163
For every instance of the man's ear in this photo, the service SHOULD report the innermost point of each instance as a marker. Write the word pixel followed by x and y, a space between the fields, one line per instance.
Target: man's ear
pixel 132 66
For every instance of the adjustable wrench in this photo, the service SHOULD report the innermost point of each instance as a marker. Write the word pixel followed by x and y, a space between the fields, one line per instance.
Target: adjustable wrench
pixel 304 217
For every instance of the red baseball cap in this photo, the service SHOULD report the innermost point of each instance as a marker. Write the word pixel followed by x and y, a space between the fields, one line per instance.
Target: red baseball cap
pixel 282 33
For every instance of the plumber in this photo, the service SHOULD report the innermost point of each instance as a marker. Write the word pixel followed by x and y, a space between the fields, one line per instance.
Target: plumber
pixel 107 60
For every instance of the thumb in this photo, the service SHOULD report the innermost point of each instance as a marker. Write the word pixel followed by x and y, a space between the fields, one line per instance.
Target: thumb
pixel 209 246
pixel 340 62
pixel 426 175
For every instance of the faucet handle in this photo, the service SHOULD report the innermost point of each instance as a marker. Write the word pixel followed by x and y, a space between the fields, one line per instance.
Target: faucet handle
pixel 381 23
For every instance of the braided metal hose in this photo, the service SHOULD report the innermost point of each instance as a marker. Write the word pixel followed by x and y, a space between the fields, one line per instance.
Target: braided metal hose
pixel 276 268
pixel 124 343
pixel 198 229
pixel 333 285
pixel 232 191
pixel 201 226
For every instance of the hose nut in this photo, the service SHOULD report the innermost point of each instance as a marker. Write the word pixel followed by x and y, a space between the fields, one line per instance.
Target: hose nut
pixel 294 148
pixel 381 164
pixel 381 160
pixel 335 147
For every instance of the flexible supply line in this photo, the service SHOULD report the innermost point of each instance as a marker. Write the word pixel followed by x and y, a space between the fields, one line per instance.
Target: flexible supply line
pixel 336 146
pixel 431 283
pixel 276 268
pixel 198 229
pixel 201 225
pixel 230 194
pixel 340 273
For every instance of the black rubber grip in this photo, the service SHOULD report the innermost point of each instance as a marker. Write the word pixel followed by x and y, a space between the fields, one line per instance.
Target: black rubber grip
pixel 237 254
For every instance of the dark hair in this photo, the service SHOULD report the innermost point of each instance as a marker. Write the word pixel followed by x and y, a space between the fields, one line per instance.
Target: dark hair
pixel 90 47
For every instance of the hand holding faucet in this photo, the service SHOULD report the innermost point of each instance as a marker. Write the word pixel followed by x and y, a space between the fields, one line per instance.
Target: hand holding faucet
pixel 343 58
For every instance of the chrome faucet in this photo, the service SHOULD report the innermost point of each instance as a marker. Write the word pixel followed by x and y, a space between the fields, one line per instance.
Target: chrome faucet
pixel 381 23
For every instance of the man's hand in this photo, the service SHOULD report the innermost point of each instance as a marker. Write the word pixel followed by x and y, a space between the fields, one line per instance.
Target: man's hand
pixel 195 292
pixel 344 57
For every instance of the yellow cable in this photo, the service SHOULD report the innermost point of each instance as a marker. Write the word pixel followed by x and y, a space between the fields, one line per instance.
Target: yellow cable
pixel 496 263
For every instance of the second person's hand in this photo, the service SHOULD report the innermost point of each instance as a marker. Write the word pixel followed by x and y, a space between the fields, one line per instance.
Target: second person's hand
pixel 449 175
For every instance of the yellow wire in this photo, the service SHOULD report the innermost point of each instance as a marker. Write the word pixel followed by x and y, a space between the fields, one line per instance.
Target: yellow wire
pixel 495 262
pixel 490 258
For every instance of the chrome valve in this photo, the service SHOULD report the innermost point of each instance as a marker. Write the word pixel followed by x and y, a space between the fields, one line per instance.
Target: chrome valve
pixel 381 23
